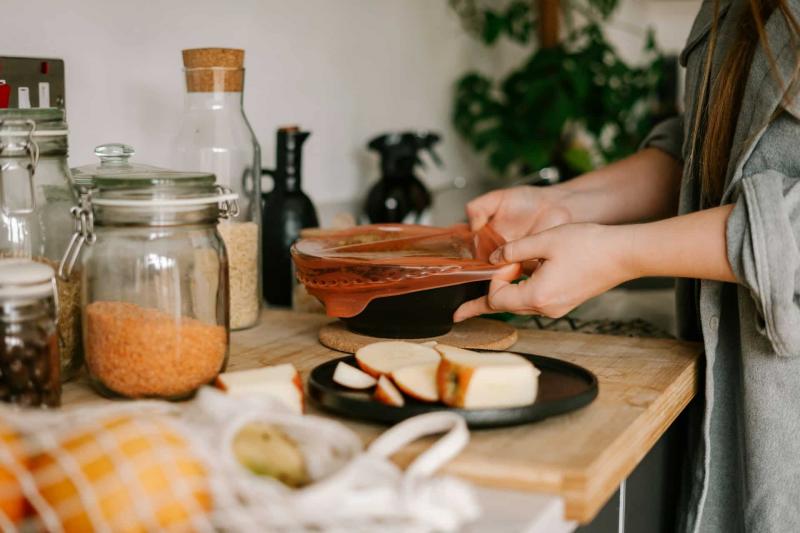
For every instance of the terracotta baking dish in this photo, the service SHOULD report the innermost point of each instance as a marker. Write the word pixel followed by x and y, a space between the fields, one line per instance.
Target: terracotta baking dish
pixel 396 280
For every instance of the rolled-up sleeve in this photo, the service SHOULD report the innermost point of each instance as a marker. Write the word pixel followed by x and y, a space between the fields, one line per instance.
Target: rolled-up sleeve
pixel 763 232
pixel 667 136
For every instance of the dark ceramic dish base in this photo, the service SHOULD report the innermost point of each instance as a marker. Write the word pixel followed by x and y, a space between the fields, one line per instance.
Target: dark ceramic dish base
pixel 415 315
pixel 563 387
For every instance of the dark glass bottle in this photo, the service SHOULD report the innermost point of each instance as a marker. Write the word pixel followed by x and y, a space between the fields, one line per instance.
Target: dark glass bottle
pixel 400 196
pixel 285 211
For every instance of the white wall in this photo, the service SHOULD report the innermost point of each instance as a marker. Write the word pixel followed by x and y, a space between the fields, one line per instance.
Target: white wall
pixel 671 20
pixel 345 69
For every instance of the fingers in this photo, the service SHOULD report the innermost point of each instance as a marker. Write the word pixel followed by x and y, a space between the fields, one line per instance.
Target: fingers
pixel 511 297
pixel 480 306
pixel 504 276
pixel 522 250
pixel 528 297
pixel 477 307
pixel 507 297
pixel 551 218
pixel 530 267
pixel 482 208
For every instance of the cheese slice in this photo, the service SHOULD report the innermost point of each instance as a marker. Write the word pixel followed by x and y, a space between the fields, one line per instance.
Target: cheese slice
pixel 281 382
pixel 485 380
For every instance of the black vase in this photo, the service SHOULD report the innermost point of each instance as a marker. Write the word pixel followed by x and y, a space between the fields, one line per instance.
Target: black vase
pixel 400 196
pixel 285 211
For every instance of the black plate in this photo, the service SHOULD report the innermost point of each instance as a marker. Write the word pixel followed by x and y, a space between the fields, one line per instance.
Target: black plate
pixel 563 387
pixel 415 315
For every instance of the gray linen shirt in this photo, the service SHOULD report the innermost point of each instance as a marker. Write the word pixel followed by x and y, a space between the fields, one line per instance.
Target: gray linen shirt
pixel 746 467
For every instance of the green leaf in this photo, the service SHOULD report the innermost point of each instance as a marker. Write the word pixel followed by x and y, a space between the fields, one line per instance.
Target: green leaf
pixel 538 154
pixel 650 40
pixel 517 122
pixel 519 21
pixel 493 27
pixel 578 159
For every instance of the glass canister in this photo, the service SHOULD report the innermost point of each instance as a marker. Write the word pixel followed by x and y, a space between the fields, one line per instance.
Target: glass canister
pixel 35 196
pixel 216 137
pixel 155 277
pixel 30 366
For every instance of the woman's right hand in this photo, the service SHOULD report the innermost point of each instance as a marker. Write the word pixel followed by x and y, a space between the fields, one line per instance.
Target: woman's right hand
pixel 639 188
pixel 520 211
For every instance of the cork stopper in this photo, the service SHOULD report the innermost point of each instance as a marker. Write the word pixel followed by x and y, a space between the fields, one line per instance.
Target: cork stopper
pixel 214 69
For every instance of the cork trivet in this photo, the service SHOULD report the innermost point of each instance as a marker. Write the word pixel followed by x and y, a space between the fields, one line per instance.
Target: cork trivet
pixel 214 69
pixel 477 333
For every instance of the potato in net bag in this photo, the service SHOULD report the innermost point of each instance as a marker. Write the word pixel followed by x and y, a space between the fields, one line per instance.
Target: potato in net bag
pixel 157 466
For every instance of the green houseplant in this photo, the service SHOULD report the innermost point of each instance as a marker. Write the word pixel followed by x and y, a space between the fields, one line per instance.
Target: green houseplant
pixel 573 105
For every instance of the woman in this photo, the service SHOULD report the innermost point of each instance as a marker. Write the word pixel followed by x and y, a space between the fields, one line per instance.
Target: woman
pixel 730 169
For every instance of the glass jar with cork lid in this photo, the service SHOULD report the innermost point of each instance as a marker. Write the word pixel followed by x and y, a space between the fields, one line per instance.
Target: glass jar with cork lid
pixel 155 277
pixel 216 137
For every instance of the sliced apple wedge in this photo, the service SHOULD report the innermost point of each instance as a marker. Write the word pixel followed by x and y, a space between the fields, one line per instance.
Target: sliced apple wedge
pixel 385 357
pixel 418 381
pixel 352 378
pixel 281 382
pixel 386 392
pixel 473 380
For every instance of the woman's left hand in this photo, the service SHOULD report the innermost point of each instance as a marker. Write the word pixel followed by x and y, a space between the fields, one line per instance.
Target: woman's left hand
pixel 576 262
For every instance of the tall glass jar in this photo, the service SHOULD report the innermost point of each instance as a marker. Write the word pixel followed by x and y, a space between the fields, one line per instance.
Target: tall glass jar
pixel 29 361
pixel 155 277
pixel 35 198
pixel 216 137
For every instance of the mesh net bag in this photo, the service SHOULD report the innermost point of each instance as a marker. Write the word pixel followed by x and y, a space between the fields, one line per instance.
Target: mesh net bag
pixel 156 466
pixel 347 269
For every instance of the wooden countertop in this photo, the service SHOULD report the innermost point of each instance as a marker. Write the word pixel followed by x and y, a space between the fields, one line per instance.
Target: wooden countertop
pixel 582 456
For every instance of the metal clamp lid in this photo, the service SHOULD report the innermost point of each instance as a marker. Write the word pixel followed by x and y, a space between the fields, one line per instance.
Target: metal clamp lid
pixel 84 218
pixel 31 148
pixel 84 233
pixel 226 201
pixel 228 205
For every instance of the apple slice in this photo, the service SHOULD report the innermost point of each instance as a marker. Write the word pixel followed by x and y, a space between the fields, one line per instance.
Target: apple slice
pixel 473 380
pixel 385 357
pixel 352 378
pixel 281 382
pixel 418 381
pixel 386 392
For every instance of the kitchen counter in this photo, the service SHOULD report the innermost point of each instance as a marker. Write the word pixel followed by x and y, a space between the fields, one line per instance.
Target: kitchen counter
pixel 581 457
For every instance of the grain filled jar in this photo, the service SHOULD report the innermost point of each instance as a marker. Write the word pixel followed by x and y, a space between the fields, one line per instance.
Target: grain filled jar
pixel 35 198
pixel 155 277
pixel 215 136
pixel 30 365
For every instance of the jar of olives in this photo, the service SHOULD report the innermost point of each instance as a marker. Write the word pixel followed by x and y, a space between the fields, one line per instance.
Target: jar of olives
pixel 30 366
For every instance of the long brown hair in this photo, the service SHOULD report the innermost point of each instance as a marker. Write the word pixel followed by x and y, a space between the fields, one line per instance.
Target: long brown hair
pixel 727 90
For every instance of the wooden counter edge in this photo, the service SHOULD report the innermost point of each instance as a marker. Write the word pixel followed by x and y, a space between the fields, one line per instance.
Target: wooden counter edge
pixel 619 460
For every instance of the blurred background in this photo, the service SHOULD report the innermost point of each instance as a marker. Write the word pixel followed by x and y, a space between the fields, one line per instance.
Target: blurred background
pixel 348 70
